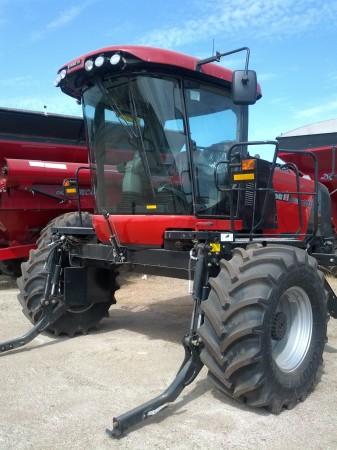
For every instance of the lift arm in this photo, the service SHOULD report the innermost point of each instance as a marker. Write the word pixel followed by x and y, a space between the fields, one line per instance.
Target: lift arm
pixel 191 365
pixel 187 373
pixel 50 314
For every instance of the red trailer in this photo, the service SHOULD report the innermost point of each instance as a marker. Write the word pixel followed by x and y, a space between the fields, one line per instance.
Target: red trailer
pixel 319 138
pixel 37 152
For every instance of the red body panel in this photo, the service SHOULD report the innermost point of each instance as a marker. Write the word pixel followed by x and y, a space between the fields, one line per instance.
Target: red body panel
pixel 288 203
pixel 149 230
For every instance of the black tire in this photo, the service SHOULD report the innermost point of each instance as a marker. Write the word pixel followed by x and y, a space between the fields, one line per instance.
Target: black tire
pixel 265 324
pixel 31 284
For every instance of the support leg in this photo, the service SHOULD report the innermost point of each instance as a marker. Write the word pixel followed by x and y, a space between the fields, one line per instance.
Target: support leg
pixel 187 373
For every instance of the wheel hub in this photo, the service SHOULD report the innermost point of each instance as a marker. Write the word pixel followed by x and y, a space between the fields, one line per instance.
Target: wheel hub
pixel 279 326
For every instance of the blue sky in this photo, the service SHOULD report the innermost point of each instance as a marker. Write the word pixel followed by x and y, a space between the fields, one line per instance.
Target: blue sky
pixel 293 48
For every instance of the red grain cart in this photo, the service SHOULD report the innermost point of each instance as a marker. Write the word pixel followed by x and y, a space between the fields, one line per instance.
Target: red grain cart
pixel 320 139
pixel 37 152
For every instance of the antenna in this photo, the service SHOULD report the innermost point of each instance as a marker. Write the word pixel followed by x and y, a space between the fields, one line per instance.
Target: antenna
pixel 213 48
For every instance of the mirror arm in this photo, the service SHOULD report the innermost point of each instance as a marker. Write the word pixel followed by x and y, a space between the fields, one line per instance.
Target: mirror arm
pixel 219 55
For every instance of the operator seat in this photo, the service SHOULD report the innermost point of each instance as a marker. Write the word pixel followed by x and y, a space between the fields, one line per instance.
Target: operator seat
pixel 158 195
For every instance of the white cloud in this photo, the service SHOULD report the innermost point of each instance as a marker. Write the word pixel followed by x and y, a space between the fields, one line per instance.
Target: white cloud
pixel 64 18
pixel 318 112
pixel 263 77
pixel 275 18
pixel 279 101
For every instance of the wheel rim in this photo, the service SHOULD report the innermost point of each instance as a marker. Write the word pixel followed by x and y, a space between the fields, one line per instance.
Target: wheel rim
pixel 291 329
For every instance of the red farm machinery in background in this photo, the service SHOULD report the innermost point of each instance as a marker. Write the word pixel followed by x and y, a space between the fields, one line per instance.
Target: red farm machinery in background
pixel 319 139
pixel 37 152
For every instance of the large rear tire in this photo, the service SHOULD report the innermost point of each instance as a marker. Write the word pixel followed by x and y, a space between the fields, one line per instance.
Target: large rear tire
pixel 265 325
pixel 31 284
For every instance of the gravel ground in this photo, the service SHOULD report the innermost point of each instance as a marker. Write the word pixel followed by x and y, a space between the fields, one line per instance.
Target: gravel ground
pixel 62 393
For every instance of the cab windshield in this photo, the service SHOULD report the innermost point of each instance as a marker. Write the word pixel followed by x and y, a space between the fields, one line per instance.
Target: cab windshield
pixel 157 142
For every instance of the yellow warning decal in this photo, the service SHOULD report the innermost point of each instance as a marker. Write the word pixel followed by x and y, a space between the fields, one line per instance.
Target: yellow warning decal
pixel 215 246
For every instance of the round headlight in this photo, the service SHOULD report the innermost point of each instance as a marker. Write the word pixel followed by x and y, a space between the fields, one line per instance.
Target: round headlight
pixel 89 65
pixel 115 59
pixel 99 61
pixel 57 79
pixel 63 73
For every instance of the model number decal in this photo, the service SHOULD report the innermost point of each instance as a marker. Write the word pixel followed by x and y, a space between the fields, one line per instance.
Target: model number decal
pixel 74 64
pixel 284 197
pixel 306 203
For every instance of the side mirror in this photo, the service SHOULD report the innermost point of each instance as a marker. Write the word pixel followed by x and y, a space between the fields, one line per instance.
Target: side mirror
pixel 244 87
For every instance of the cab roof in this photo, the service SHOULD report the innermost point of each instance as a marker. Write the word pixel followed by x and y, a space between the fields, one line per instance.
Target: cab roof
pixel 139 56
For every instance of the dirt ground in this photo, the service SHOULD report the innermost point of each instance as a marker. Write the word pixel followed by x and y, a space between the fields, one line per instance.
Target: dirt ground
pixel 62 393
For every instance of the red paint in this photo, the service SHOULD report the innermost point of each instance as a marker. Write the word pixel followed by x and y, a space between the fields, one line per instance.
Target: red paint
pixel 15 251
pixel 23 172
pixel 22 149
pixel 149 230
pixel 305 164
pixel 153 55
pixel 23 214
pixel 287 210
